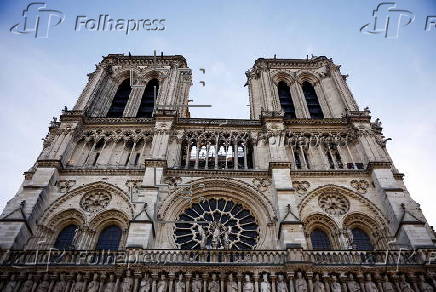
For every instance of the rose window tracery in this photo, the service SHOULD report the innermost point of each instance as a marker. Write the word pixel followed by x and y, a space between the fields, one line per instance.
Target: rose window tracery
pixel 334 204
pixel 95 200
pixel 216 224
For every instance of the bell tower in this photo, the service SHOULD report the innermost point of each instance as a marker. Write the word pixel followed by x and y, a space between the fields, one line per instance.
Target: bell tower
pixel 298 88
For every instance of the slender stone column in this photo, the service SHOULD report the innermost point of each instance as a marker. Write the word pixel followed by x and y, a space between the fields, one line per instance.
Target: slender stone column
pixel 239 277
pixel 205 277
pixel 291 281
pixel 273 282
pixel 256 281
pixel 188 281
pixel 153 283
pixel 171 282
pixel 309 276
pixel 222 279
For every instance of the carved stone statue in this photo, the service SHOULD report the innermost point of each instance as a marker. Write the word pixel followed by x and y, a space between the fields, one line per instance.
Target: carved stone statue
pixel 226 239
pixel 318 286
pixel 162 284
pixel 232 286
pixel 28 284
pixel 94 284
pixel 281 284
pixel 180 284
pixel 370 286
pixel 203 239
pixel 300 283
pixel 79 285
pixel 196 284
pixel 265 286
pixel 110 285
pixel 352 285
pixel 61 285
pixel 214 285
pixel 11 285
pixel 44 285
pixel 404 286
pixel 248 285
pixel 423 285
pixel 127 284
pixel 215 236
pixel 145 284
pixel 334 285
pixel 386 285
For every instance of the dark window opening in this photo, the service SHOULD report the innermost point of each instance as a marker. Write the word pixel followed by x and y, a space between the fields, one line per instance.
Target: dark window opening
pixel 297 159
pixel 97 155
pixel 361 240
pixel 320 240
pixel 147 101
pixel 66 237
pixel 330 159
pixel 109 238
pixel 286 100
pixel 120 100
pixel 137 158
pixel 312 101
pixel 306 157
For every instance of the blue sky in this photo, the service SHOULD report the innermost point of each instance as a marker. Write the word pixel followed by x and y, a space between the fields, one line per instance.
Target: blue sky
pixel 394 77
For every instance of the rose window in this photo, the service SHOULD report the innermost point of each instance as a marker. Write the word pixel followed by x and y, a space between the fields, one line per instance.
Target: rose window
pixel 216 224
pixel 334 204
pixel 95 200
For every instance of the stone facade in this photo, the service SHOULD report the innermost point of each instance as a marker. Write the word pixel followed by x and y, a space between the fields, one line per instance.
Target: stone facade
pixel 303 196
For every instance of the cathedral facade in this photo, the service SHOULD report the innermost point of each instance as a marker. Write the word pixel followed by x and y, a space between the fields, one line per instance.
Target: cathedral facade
pixel 130 193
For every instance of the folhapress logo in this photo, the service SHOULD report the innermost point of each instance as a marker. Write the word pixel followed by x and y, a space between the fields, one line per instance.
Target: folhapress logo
pixel 38 20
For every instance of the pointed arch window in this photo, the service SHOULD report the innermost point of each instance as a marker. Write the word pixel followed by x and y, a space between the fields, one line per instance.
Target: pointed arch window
pixel 312 101
pixel 286 100
pixel 320 240
pixel 120 100
pixel 66 237
pixel 148 97
pixel 109 238
pixel 361 240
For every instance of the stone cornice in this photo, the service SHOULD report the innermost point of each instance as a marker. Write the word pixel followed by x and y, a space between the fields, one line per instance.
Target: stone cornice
pixel 121 59
pixel 49 163
pixel 102 172
pixel 379 165
pixel 338 172
pixel 312 63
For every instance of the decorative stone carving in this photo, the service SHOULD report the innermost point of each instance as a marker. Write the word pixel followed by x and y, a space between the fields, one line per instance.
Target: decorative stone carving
pixel 196 284
pixel 334 204
pixel 265 286
pixel 387 285
pixel 281 284
pixel 361 186
pixel 79 285
pixel 11 285
pixel 301 187
pixel 232 286
pixel 127 284
pixel 335 286
pixel 65 185
pixel 352 285
pixel 318 285
pixel 95 200
pixel 60 285
pixel 94 284
pixel 300 283
pixel 172 182
pixel 262 184
pixel 110 285
pixel 423 285
pixel 162 284
pixel 145 284
pixel 404 286
pixel 28 284
pixel 44 285
pixel 180 284
pixel 370 286
pixel 248 285
pixel 214 285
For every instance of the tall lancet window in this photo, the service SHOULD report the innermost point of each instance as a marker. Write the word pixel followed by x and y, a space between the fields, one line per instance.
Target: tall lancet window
pixel 120 100
pixel 147 100
pixel 286 100
pixel 312 101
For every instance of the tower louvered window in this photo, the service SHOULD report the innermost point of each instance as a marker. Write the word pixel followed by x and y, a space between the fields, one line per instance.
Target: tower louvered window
pixel 312 101
pixel 120 100
pixel 147 101
pixel 286 100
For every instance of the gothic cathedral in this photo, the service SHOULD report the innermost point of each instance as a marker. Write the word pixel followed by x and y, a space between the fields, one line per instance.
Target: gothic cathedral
pixel 130 193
